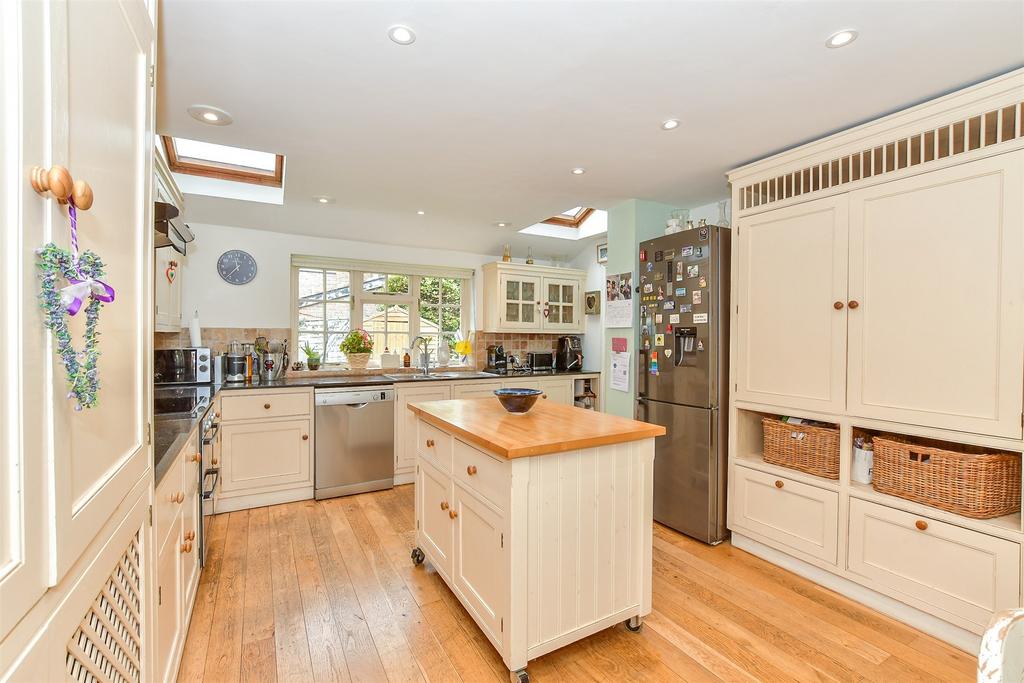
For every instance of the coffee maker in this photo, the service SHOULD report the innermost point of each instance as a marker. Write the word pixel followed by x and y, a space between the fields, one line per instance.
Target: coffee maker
pixel 570 354
pixel 496 359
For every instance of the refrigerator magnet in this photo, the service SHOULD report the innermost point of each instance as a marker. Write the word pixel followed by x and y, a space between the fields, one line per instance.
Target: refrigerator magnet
pixel 657 318
pixel 685 308
pixel 700 317
pixel 699 251
pixel 661 292
pixel 700 344
pixel 659 256
pixel 674 319
pixel 654 362
pixel 692 271
pixel 703 281
pixel 659 340
pixel 669 305
pixel 670 254
pixel 650 267
pixel 702 233
pixel 697 298
pixel 687 251
pixel 680 291
pixel 668 353
pixel 648 288
pixel 679 270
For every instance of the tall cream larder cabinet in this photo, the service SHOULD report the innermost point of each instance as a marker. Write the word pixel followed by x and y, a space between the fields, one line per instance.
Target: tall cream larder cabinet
pixel 878 283
pixel 76 486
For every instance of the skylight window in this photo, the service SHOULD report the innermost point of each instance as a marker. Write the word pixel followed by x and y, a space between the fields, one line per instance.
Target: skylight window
pixel 192 157
pixel 592 222
pixel 571 218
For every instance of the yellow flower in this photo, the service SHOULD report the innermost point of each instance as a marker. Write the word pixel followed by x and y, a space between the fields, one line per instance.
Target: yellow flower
pixel 463 348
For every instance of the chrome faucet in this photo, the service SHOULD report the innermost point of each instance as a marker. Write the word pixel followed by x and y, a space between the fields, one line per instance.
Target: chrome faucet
pixel 425 353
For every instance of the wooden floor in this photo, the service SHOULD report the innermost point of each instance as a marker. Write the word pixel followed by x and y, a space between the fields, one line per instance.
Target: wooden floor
pixel 325 591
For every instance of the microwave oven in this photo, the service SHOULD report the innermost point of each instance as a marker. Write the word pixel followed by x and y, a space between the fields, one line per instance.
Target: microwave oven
pixel 182 366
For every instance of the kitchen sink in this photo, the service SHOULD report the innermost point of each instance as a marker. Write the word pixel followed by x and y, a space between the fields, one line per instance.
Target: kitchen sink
pixel 440 376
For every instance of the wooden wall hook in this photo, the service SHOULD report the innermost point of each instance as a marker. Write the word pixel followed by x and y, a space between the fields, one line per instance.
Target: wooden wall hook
pixel 58 182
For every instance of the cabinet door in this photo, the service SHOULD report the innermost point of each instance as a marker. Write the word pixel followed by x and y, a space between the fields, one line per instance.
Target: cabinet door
pixel 405 420
pixel 267 455
pixel 937 269
pixel 434 503
pixel 789 283
pixel 558 390
pixel 561 307
pixel 479 562
pixel 519 302
pixel 190 521
pixel 167 272
pixel 169 614
pixel 475 389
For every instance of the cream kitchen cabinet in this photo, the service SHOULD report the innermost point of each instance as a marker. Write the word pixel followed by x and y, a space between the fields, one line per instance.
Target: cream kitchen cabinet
pixel 168 264
pixel 790 295
pixel 405 422
pixel 937 271
pixel 474 389
pixel 556 389
pixel 530 298
pixel 170 624
pixel 264 448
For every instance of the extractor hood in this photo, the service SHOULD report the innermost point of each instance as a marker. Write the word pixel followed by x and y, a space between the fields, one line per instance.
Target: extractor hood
pixel 170 232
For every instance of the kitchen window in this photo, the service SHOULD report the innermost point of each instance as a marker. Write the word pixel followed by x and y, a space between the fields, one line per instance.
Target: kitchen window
pixel 395 304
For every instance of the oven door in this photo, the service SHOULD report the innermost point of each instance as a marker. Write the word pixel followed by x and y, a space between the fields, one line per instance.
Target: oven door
pixel 208 483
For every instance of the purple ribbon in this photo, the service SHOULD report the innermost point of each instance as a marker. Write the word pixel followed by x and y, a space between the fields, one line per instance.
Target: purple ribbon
pixel 75 294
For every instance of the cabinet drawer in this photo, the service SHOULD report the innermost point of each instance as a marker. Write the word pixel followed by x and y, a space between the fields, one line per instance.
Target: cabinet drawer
pixel 434 445
pixel 959 575
pixel 170 499
pixel 247 406
pixel 482 474
pixel 800 516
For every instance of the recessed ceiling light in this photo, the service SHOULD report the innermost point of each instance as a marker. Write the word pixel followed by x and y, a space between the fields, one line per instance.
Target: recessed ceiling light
pixel 841 38
pixel 420 213
pixel 204 113
pixel 403 35
pixel 670 124
pixel 323 199
pixel 579 170
pixel 502 224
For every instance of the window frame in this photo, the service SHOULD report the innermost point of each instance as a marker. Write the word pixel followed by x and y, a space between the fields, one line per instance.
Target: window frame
pixel 358 297
pixel 221 171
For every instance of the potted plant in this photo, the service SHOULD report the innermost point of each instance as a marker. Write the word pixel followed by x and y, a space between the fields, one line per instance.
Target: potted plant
pixel 312 356
pixel 357 346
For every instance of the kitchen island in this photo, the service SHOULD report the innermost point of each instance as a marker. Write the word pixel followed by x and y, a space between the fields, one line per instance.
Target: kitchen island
pixel 540 523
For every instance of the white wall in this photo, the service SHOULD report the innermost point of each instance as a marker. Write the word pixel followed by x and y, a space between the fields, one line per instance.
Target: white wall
pixel 266 301
pixel 593 334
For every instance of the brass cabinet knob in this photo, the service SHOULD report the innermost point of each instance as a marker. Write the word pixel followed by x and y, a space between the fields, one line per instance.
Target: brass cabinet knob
pixel 430 443
pixel 471 470
pixel 215 460
pixel 178 497
pixel 196 457
pixel 779 484
pixel 838 305
pixel 305 437
pixel 853 304
pixel 921 524
pixel 543 395
pixel 186 547
pixel 216 414
pixel 444 505
pixel 190 536
pixel 453 514
pixel 267 406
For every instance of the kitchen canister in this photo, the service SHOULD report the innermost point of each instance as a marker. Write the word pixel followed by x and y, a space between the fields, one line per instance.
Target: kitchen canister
pixel 863 460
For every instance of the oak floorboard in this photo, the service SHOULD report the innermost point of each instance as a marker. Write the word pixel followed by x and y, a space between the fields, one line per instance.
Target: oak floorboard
pixel 343 594
pixel 224 651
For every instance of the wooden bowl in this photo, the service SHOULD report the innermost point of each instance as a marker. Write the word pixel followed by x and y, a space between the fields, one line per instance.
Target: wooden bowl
pixel 517 400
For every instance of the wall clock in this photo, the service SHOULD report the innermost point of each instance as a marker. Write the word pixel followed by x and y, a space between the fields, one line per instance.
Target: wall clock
pixel 236 267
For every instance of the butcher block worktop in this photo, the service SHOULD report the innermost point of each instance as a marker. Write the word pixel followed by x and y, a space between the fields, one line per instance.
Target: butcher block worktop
pixel 548 428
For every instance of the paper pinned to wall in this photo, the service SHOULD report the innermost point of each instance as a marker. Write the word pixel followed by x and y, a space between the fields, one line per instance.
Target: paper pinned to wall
pixel 620 371
pixel 618 296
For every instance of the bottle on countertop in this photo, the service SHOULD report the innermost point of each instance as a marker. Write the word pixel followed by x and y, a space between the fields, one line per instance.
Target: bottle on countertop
pixel 407 360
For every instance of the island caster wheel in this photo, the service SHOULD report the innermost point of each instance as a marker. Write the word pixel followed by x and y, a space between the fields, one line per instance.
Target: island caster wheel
pixel 634 624
pixel 520 676
pixel 418 556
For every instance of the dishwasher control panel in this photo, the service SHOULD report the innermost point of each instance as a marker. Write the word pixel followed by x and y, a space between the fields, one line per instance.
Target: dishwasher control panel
pixel 334 397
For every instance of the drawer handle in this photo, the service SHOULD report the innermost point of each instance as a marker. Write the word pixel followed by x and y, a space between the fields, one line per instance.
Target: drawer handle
pixel 453 514
pixel 186 547
pixel 471 470
pixel 305 437
pixel 779 484
pixel 215 460
pixel 196 457
pixel 854 304
pixel 444 505
pixel 430 443
pixel 921 524
pixel 838 305
pixel 267 406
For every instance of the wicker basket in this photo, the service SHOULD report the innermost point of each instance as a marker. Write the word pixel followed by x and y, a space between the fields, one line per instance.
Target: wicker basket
pixel 967 481
pixel 814 450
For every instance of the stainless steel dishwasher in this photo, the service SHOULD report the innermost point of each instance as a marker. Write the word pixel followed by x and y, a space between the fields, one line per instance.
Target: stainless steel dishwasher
pixel 355 440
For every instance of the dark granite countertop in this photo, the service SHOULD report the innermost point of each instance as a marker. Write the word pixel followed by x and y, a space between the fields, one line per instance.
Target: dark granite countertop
pixel 172 432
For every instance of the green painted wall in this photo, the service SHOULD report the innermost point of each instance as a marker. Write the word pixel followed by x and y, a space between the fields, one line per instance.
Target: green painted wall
pixel 629 224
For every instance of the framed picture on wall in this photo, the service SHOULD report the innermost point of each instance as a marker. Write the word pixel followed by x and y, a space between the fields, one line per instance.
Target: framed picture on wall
pixel 602 252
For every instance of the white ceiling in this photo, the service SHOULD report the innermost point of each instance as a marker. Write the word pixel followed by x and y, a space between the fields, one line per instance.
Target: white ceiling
pixel 482 118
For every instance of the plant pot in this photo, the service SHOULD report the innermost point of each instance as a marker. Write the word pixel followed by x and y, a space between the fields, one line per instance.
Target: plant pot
pixel 313 363
pixel 358 361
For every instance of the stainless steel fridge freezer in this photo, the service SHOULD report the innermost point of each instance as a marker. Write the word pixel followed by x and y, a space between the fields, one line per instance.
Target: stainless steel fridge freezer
pixel 683 367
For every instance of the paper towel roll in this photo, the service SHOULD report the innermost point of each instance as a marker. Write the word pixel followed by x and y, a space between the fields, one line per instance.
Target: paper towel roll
pixel 194 333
